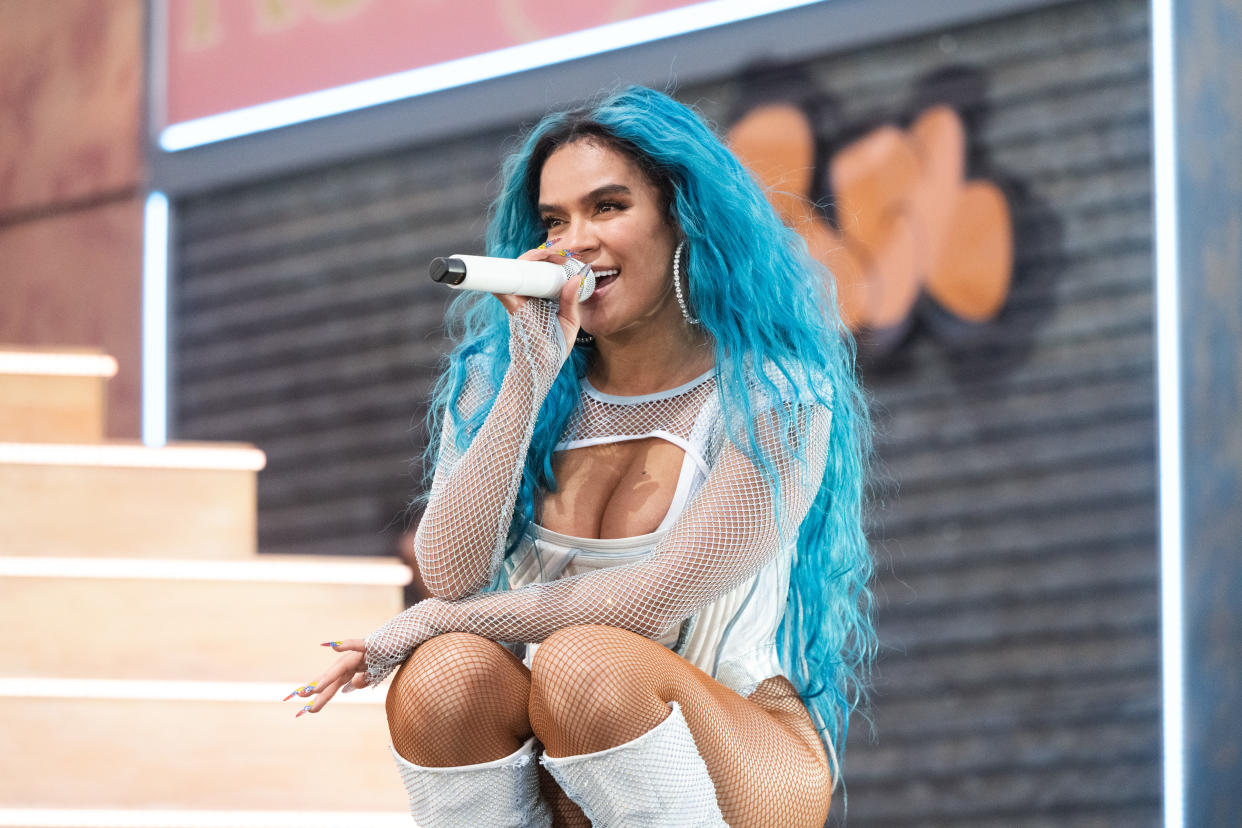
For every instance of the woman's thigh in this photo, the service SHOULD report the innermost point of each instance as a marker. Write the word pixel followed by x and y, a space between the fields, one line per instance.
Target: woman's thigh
pixel 597 687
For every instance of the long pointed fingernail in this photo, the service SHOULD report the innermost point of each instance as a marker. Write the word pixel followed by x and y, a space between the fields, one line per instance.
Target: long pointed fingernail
pixel 587 286
pixel 569 253
pixel 332 644
pixel 303 711
pixel 305 688
pixel 548 243
pixel 348 688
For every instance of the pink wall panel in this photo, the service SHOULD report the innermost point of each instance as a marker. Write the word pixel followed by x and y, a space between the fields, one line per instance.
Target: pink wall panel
pixel 71 75
pixel 76 279
pixel 227 54
pixel 71 79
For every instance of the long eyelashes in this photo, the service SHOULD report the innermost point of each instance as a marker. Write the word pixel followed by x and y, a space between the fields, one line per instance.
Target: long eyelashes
pixel 549 222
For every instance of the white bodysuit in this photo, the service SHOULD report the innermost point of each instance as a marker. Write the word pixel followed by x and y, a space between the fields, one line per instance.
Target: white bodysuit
pixel 711 582
pixel 732 639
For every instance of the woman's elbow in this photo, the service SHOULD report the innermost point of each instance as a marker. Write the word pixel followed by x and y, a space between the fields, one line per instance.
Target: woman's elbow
pixel 451 588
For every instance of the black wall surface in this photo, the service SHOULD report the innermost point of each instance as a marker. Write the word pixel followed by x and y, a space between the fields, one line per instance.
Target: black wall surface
pixel 1015 523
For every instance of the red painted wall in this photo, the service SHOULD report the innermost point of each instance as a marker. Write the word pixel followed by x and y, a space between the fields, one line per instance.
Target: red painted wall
pixel 71 80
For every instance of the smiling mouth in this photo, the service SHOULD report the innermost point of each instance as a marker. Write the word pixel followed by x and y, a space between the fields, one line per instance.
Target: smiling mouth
pixel 603 278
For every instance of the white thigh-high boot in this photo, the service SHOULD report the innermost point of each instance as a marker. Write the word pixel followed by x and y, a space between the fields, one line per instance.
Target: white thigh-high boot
pixel 657 780
pixel 499 794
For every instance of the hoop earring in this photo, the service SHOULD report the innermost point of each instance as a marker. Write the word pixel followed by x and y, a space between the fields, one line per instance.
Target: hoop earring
pixel 681 300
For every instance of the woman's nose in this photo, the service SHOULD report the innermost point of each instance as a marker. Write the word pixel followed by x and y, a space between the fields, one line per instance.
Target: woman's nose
pixel 578 237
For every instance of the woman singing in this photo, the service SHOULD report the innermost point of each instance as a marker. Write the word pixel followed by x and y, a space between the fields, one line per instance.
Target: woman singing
pixel 657 489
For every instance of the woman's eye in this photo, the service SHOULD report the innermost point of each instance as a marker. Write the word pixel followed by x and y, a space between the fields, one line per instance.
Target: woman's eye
pixel 608 206
pixel 550 221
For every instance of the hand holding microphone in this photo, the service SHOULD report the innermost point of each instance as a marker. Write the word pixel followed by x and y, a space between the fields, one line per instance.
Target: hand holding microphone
pixel 543 280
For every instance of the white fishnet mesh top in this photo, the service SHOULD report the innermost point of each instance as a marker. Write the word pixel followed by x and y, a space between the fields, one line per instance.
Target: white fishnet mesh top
pixel 711 581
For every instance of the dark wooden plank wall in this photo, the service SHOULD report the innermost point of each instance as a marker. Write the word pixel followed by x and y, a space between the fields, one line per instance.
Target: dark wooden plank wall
pixel 306 323
pixel 1015 528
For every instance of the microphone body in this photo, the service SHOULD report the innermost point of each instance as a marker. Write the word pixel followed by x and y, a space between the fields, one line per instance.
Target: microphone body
pixel 543 280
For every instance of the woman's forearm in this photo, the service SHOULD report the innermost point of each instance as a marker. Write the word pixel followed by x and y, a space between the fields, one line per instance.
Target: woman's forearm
pixel 467 518
pixel 462 535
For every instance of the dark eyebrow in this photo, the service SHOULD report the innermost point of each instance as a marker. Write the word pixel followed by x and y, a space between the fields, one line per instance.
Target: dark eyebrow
pixel 594 195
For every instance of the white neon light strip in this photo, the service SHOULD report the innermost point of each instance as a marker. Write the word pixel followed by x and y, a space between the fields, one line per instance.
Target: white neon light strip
pixel 57 365
pixel 167 569
pixel 97 818
pixel 1169 406
pixel 463 71
pixel 119 455
pixel 155 321
pixel 176 691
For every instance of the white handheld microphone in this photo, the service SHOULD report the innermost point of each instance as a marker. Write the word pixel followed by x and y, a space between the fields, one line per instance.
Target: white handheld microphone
pixel 540 279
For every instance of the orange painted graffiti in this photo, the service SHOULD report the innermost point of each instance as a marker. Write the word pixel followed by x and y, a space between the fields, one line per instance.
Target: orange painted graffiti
pixel 909 221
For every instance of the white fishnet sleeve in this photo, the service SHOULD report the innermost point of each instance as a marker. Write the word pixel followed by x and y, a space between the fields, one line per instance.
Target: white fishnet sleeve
pixel 727 533
pixel 461 537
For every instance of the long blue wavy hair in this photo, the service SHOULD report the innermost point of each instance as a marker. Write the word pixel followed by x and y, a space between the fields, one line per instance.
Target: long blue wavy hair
pixel 771 312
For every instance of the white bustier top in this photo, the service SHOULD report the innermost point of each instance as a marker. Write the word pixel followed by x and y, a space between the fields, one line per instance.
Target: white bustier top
pixel 733 638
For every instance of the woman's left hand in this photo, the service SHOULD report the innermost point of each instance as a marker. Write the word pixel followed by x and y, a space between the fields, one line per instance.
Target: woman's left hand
pixel 348 671
pixel 392 643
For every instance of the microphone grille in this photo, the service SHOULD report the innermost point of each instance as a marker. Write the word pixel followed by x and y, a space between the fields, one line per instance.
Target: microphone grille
pixel 575 268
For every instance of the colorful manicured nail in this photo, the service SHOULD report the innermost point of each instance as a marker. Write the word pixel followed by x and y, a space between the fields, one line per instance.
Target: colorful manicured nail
pixel 548 243
pixel 332 644
pixel 587 286
pixel 306 709
pixel 305 688
pixel 568 253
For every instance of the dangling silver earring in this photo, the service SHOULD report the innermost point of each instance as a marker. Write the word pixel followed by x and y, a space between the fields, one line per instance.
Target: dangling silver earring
pixel 681 300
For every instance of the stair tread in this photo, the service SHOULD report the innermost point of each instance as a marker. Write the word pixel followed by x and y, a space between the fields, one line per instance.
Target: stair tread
pixel 233 755
pixel 186 818
pixel 193 501
pixel 134 454
pixel 339 569
pixel 252 620
pixel 56 361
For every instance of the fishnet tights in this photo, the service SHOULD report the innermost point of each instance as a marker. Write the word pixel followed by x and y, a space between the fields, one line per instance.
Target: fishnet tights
pixel 461 699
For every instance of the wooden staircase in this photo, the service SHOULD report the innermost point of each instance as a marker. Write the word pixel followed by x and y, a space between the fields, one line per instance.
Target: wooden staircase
pixel 146 647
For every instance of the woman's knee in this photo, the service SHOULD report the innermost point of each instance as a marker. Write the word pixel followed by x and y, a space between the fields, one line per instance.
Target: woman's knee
pixel 595 682
pixel 451 678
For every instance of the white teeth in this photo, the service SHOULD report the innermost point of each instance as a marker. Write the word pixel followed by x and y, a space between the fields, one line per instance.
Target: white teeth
pixel 599 274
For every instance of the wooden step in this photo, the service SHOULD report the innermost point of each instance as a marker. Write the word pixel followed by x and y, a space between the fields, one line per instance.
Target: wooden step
pixel 186 818
pixel 177 749
pixel 53 395
pixel 184 500
pixel 259 620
